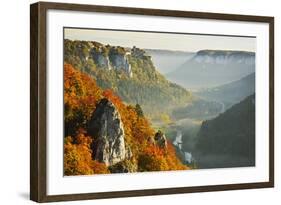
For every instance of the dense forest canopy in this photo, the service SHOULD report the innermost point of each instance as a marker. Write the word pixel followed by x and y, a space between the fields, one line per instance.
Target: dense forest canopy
pixel 81 96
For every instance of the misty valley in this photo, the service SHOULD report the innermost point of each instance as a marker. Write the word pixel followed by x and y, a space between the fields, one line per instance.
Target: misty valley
pixel 131 109
pixel 217 128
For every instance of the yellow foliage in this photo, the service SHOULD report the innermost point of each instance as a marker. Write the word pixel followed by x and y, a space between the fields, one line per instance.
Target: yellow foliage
pixel 165 118
pixel 81 95
pixel 78 157
pixel 154 158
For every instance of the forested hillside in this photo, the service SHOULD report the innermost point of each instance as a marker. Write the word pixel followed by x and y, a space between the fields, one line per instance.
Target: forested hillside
pixel 112 94
pixel 129 72
pixel 229 139
pixel 105 135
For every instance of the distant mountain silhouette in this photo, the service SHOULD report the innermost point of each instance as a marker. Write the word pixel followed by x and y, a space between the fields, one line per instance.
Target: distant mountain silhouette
pixel 210 68
pixel 231 93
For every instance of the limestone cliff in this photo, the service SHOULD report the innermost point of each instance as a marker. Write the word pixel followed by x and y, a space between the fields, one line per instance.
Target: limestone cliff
pixel 107 130
pixel 103 56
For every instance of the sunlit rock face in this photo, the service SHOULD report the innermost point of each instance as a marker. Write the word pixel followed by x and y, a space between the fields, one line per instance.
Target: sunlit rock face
pixel 107 130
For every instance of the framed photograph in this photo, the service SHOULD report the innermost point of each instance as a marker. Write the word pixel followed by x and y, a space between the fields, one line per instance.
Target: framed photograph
pixel 135 102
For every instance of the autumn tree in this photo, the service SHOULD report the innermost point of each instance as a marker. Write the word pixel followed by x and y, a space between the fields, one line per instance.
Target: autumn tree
pixel 154 158
pixel 78 157
pixel 139 110
pixel 81 95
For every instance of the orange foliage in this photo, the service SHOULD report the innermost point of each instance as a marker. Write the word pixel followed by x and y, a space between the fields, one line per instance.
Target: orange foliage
pixel 99 168
pixel 81 95
pixel 154 158
pixel 142 130
pixel 116 100
pixel 137 129
pixel 78 157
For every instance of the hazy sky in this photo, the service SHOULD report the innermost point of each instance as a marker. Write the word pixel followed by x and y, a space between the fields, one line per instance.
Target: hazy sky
pixel 183 42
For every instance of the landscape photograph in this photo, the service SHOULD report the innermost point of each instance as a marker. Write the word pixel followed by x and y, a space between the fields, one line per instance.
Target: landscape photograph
pixel 141 101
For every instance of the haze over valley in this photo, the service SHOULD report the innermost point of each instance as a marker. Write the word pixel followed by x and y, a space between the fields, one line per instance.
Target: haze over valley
pixel 218 80
pixel 199 102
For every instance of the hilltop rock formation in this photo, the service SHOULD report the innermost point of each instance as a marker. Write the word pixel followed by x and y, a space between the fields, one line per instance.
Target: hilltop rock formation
pixel 129 71
pixel 101 60
pixel 121 62
pixel 103 56
pixel 106 127
pixel 225 57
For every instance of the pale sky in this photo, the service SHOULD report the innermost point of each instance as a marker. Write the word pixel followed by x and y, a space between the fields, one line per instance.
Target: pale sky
pixel 168 41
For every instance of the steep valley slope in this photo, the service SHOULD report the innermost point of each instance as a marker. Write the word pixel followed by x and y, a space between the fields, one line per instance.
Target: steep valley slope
pixel 130 72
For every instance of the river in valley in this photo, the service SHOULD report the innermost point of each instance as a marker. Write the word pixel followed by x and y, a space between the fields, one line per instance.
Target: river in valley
pixel 178 143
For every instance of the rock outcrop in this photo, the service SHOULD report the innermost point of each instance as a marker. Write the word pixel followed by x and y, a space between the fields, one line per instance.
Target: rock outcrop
pixel 127 70
pixel 225 57
pixel 160 139
pixel 138 53
pixel 121 62
pixel 107 57
pixel 106 127
pixel 101 60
